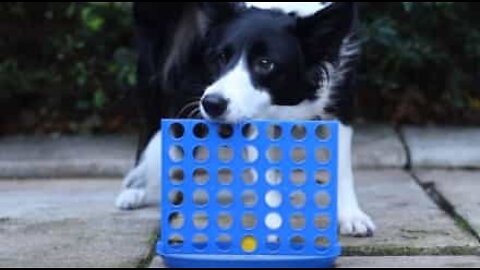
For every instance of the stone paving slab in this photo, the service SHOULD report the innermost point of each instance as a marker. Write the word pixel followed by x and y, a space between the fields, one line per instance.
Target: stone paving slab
pixel 377 146
pixel 157 262
pixel 449 147
pixel 69 156
pixel 461 189
pixel 409 262
pixel 408 222
pixel 71 223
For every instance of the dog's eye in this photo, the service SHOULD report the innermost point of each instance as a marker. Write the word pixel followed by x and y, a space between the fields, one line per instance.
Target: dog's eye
pixel 222 58
pixel 263 66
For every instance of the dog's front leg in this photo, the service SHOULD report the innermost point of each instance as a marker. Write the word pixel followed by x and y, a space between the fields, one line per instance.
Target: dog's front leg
pixel 143 178
pixel 352 220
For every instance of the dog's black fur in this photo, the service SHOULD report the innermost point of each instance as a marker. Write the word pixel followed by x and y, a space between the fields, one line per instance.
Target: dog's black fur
pixel 231 62
pixel 184 47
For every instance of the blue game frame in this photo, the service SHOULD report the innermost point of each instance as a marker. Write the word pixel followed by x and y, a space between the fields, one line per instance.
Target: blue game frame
pixel 320 246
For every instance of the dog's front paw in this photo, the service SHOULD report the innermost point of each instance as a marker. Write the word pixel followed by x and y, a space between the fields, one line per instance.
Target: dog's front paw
pixel 131 198
pixel 355 222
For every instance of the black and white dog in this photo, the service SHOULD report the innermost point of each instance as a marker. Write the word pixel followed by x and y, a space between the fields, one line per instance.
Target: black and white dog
pixel 231 62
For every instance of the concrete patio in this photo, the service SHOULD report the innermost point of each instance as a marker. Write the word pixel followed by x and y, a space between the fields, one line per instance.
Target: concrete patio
pixel 420 185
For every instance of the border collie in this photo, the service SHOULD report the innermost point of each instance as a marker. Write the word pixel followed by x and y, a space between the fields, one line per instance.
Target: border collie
pixel 255 60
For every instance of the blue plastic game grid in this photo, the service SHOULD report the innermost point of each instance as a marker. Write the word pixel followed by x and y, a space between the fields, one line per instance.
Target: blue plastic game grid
pixel 215 205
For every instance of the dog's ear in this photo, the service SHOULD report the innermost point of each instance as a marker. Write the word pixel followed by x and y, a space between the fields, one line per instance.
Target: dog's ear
pixel 321 34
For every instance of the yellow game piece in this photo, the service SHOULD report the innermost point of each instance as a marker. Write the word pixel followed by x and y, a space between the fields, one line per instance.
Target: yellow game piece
pixel 249 244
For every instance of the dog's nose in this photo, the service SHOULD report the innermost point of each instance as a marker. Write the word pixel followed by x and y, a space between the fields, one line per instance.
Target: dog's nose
pixel 214 105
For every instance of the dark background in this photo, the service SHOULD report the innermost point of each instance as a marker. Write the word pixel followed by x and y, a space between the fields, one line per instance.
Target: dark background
pixel 70 67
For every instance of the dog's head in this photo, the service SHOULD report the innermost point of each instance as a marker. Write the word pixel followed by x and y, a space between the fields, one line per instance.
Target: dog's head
pixel 267 63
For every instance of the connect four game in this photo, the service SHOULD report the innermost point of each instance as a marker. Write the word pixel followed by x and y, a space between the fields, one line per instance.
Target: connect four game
pixel 253 194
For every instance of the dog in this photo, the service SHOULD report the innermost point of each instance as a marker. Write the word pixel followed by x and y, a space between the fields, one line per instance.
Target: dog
pixel 230 62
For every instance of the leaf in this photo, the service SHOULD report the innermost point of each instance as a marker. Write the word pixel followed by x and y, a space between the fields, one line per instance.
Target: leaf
pixel 92 20
pixel 99 99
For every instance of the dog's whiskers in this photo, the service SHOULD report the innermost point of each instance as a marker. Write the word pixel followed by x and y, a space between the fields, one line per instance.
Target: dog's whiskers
pixel 194 113
pixel 188 107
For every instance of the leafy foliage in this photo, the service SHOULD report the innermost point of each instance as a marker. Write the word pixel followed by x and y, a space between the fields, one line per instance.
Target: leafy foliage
pixel 68 67
pixel 421 62
pixel 69 64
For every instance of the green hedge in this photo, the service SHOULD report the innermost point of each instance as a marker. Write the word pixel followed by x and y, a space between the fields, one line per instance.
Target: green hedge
pixel 421 62
pixel 65 66
pixel 69 66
